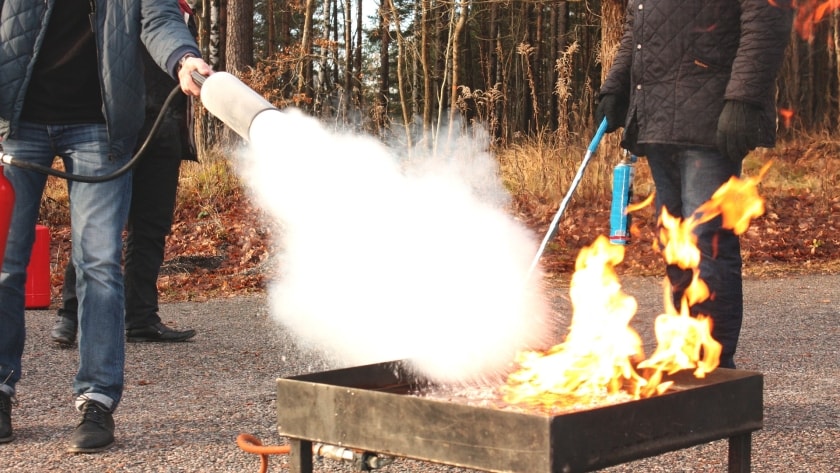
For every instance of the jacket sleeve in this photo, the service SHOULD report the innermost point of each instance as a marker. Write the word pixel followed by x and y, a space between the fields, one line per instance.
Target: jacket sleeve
pixel 165 34
pixel 765 33
pixel 617 81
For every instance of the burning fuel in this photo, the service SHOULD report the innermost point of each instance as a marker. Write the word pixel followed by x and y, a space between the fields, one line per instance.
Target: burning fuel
pixel 384 257
pixel 602 355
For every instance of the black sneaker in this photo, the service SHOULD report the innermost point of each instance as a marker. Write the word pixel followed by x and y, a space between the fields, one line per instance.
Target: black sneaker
pixel 158 333
pixel 96 430
pixel 6 434
pixel 64 332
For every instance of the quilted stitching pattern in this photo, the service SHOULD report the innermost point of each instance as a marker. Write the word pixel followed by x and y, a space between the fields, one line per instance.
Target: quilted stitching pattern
pixel 18 32
pixel 118 30
pixel 678 59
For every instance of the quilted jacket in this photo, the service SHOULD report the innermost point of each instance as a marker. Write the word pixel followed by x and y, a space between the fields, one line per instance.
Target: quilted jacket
pixel 679 60
pixel 121 25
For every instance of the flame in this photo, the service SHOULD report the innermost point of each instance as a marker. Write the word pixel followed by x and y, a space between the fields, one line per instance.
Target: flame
pixel 808 14
pixel 602 355
pixel 593 360
pixel 635 232
pixel 640 205
pixel 787 116
pixel 737 201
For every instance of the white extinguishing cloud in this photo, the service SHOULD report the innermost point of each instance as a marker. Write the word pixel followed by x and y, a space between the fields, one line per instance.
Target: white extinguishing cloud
pixel 383 258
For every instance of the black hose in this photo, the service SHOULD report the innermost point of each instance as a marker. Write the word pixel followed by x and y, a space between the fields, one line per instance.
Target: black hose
pixel 119 172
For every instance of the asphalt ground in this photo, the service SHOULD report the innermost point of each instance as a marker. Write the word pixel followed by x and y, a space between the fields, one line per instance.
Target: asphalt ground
pixel 185 404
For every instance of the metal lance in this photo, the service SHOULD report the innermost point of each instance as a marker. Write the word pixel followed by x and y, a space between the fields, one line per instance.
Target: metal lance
pixel 590 151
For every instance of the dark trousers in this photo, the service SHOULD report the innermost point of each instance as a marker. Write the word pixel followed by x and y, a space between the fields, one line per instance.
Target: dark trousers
pixel 685 178
pixel 154 188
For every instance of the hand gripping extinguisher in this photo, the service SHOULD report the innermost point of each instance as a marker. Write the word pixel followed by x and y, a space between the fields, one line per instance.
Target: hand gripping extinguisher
pixel 622 193
pixel 7 201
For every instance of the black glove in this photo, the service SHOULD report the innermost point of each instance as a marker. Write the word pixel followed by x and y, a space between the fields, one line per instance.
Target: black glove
pixel 738 129
pixel 614 109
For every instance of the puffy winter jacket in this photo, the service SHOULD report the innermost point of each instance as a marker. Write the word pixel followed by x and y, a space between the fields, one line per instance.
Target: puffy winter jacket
pixel 679 60
pixel 121 25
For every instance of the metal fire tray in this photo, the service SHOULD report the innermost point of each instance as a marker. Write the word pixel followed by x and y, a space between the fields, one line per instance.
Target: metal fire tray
pixel 370 408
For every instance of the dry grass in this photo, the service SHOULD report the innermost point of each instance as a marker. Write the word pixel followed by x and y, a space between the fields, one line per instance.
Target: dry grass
pixel 208 184
pixel 539 168
pixel 542 169
pixel 539 171
pixel 205 185
pixel 55 205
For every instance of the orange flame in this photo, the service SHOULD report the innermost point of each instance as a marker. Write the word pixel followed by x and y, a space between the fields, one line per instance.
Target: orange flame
pixel 597 357
pixel 635 232
pixel 737 201
pixel 809 13
pixel 593 360
pixel 787 116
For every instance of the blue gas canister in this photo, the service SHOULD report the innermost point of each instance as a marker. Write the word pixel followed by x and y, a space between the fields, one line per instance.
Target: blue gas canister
pixel 621 195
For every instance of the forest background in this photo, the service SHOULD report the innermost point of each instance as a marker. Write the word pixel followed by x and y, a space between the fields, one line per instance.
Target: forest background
pixel 527 72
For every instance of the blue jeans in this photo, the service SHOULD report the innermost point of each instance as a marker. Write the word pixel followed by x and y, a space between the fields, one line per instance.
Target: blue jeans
pixel 98 213
pixel 685 178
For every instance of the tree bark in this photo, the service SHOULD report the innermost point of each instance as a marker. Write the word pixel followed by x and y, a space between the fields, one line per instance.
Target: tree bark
pixel 223 37
pixel 461 15
pixel 271 39
pixel 358 59
pixel 385 16
pixel 612 24
pixel 348 60
pixel 239 50
pixel 425 37
pixel 304 73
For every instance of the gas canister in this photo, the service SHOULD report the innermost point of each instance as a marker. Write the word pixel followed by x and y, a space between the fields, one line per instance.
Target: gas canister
pixel 622 193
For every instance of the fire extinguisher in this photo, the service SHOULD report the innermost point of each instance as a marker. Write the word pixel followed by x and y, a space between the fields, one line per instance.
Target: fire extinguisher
pixel 622 193
pixel 7 201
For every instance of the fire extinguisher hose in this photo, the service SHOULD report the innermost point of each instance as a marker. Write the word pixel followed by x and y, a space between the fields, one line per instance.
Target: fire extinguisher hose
pixel 10 160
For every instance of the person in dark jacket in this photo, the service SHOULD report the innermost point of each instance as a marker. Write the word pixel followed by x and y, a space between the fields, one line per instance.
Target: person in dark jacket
pixel 693 85
pixel 70 87
pixel 153 192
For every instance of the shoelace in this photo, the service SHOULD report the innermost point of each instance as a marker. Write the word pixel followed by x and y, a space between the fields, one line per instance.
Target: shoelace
pixel 93 412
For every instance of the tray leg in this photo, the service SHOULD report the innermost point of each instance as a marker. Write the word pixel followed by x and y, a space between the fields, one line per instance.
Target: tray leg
pixel 740 447
pixel 300 456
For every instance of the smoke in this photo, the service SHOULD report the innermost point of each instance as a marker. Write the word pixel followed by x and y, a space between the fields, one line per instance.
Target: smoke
pixel 387 258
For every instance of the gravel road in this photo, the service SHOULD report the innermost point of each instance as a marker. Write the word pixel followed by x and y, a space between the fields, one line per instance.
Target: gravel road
pixel 185 404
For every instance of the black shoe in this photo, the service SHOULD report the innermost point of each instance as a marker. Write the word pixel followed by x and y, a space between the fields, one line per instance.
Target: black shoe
pixel 6 434
pixel 158 333
pixel 64 332
pixel 96 430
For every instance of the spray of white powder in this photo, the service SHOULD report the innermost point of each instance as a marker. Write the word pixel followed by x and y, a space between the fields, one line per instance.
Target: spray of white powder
pixel 385 259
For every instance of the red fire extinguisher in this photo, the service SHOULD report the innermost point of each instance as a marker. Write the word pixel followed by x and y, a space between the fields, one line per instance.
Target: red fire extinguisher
pixel 7 201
